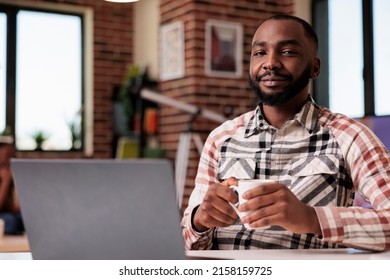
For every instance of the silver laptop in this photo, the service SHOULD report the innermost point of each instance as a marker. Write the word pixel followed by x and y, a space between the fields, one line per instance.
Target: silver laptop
pixel 99 209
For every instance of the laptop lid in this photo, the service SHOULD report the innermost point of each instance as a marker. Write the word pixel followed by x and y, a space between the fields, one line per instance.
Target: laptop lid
pixel 99 209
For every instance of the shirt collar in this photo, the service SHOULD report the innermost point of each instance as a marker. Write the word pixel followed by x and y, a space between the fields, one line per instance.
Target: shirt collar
pixel 307 117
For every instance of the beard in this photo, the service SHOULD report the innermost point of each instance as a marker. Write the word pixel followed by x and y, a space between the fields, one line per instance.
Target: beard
pixel 286 93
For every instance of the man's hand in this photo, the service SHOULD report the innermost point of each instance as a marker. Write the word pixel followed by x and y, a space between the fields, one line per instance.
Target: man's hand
pixel 215 210
pixel 275 204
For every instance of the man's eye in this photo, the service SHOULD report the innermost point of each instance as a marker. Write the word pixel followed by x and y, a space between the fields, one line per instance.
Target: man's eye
pixel 259 53
pixel 289 52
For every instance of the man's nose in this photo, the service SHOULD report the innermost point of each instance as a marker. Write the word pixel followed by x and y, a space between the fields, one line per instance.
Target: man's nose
pixel 272 62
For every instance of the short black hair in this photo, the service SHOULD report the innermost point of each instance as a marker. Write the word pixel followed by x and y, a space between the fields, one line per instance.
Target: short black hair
pixel 309 31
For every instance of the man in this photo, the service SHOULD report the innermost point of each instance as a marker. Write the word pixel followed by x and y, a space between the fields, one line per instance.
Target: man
pixel 319 159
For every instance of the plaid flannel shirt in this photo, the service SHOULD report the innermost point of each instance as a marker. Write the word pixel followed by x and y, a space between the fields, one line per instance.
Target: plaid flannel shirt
pixel 323 158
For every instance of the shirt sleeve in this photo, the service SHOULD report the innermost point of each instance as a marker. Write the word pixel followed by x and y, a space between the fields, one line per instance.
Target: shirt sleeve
pixel 194 240
pixel 369 164
pixel 206 175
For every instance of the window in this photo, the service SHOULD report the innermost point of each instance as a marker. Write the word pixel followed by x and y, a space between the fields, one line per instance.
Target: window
pixel 42 73
pixel 381 19
pixel 353 41
pixel 345 59
pixel 3 65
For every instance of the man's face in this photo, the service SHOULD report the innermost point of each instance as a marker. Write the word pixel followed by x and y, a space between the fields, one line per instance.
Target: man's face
pixel 282 62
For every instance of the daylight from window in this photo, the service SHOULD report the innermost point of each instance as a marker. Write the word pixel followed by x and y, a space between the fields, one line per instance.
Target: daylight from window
pixel 381 60
pixel 3 64
pixel 346 58
pixel 48 89
pixel 346 88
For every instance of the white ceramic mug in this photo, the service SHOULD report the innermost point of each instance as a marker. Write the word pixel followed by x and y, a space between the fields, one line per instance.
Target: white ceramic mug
pixel 243 186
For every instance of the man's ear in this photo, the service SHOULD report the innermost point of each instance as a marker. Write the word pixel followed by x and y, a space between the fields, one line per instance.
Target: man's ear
pixel 316 68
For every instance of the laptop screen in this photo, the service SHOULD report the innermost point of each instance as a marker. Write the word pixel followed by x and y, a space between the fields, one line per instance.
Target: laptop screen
pixel 99 209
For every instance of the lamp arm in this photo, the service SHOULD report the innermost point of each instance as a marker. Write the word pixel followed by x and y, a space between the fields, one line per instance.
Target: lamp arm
pixel 186 107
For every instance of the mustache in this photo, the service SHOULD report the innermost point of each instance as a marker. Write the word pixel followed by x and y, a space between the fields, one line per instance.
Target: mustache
pixel 272 73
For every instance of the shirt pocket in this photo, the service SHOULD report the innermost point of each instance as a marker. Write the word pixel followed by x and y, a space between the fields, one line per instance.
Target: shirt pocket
pixel 314 179
pixel 314 165
pixel 240 168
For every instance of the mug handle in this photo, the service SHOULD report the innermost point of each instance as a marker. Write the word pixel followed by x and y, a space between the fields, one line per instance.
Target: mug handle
pixel 235 206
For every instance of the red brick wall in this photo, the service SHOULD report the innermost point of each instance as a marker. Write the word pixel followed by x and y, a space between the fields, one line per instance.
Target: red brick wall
pixel 212 93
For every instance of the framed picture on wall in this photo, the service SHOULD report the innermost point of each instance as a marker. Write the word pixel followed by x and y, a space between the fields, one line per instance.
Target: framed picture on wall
pixel 223 50
pixel 172 51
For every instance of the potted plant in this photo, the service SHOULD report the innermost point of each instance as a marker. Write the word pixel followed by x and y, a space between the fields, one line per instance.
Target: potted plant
pixel 6 136
pixel 39 137
pixel 75 134
pixel 128 94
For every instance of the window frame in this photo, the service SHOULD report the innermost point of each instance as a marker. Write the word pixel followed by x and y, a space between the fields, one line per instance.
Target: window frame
pixel 320 14
pixel 11 8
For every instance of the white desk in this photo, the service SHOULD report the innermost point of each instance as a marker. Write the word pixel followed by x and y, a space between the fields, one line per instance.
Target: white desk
pixel 16 256
pixel 299 254
pixel 292 254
